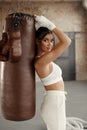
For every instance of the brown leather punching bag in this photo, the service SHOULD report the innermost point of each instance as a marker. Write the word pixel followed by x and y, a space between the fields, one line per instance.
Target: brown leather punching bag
pixel 18 93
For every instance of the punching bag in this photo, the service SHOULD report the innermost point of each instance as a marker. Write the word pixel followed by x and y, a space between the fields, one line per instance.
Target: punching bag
pixel 18 91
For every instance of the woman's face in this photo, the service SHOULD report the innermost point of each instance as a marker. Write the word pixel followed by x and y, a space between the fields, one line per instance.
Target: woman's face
pixel 47 43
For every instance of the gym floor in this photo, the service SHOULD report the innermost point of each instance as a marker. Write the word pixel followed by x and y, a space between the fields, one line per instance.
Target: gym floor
pixel 76 106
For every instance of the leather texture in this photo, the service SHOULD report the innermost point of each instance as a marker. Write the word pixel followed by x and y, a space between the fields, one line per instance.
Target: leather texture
pixel 18 94
pixel 3 46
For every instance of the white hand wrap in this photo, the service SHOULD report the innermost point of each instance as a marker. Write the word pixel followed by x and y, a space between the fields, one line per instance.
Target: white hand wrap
pixel 42 21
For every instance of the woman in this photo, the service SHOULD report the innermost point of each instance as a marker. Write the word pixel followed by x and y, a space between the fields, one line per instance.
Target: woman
pixel 53 106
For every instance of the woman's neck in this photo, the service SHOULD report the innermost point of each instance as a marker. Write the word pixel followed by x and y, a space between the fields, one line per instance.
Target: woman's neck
pixel 40 53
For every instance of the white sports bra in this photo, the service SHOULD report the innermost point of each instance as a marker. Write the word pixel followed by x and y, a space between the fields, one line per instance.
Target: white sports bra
pixel 54 76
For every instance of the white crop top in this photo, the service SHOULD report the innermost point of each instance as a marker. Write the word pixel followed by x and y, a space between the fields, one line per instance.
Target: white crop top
pixel 54 76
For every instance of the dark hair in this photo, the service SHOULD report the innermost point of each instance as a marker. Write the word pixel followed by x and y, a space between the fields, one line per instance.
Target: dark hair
pixel 42 32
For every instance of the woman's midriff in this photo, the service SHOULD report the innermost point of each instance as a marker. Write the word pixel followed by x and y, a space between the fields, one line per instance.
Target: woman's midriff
pixel 56 86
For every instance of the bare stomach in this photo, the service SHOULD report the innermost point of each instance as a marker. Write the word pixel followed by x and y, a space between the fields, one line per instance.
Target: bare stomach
pixel 56 86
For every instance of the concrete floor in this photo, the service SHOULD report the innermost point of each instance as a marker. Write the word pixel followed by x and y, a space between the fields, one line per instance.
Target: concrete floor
pixel 76 106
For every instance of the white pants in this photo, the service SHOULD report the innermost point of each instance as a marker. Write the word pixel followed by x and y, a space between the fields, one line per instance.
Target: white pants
pixel 53 110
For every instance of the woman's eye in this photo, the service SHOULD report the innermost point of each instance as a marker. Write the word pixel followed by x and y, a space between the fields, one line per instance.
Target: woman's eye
pixel 45 40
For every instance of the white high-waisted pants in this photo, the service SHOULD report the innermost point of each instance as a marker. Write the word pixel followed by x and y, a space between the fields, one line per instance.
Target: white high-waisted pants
pixel 53 110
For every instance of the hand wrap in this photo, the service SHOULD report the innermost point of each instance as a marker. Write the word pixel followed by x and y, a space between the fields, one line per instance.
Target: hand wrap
pixel 42 21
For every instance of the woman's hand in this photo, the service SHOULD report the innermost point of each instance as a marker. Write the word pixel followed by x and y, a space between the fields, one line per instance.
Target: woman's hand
pixel 43 21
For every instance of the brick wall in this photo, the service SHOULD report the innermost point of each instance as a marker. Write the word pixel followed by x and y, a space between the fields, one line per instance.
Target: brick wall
pixel 68 15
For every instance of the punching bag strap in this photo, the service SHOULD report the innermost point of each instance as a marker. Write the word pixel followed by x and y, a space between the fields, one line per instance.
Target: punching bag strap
pixel 3 44
pixel 13 27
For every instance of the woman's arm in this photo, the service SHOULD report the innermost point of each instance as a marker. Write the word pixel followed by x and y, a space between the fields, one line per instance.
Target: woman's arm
pixel 58 49
pixel 61 36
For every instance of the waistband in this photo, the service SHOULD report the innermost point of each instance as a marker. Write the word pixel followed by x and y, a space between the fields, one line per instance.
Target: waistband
pixel 55 92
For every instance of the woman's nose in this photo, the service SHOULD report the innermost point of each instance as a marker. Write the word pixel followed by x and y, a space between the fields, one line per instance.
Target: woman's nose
pixel 50 43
